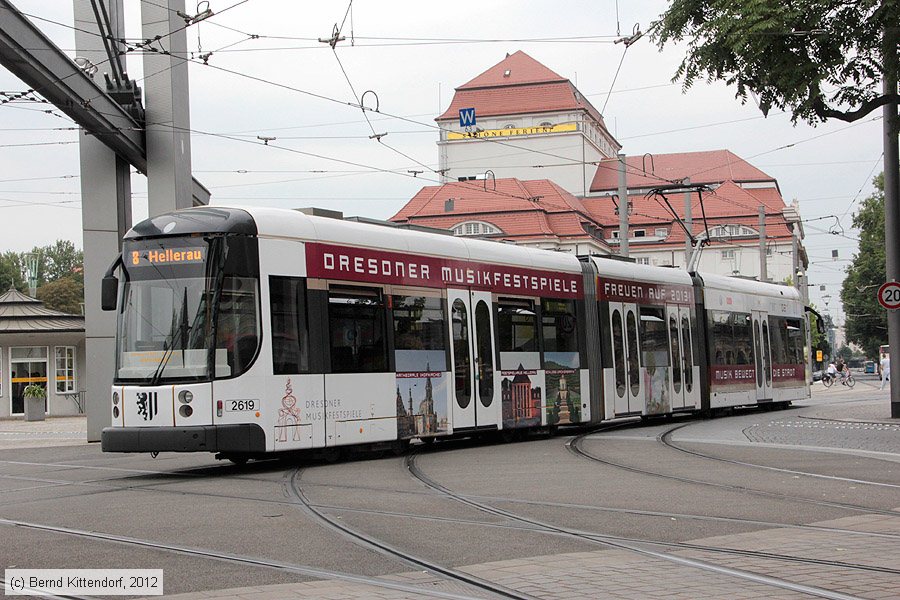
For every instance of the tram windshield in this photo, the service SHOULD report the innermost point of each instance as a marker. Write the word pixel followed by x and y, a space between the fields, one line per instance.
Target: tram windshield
pixel 190 309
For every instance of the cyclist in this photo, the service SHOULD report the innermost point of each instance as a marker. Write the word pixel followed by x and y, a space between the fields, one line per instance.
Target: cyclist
pixel 842 370
pixel 831 371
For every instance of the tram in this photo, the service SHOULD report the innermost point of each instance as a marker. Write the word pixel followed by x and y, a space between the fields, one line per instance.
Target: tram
pixel 251 331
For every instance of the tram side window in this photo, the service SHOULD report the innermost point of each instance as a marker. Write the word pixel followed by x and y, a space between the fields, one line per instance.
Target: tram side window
pixel 722 337
pixel 787 340
pixel 743 338
pixel 356 321
pixel 517 326
pixel 560 330
pixel 290 344
pixel 419 327
pixel 654 337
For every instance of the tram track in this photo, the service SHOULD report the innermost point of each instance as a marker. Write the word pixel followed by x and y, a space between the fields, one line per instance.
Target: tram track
pixel 574 446
pixel 245 560
pixel 665 439
pixel 293 489
pixel 637 546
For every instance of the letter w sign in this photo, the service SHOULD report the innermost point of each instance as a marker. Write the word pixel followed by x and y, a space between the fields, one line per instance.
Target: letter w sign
pixel 466 117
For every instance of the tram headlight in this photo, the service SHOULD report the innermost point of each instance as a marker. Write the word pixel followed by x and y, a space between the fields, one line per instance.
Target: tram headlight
pixel 185 411
pixel 115 412
pixel 185 396
pixel 115 398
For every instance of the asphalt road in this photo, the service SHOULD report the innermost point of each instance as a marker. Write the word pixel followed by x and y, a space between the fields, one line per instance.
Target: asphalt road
pixel 793 503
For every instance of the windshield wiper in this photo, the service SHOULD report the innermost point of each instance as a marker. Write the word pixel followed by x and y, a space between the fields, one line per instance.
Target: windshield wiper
pixel 181 336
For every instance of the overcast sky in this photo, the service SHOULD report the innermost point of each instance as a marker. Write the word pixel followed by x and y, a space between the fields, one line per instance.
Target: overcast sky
pixel 402 52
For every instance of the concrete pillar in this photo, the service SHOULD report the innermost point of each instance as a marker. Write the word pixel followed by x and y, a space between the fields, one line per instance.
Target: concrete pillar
pixel 763 275
pixel 689 225
pixel 892 198
pixel 623 207
pixel 106 215
pixel 166 103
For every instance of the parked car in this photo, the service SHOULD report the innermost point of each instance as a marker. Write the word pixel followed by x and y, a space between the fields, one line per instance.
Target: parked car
pixel 817 376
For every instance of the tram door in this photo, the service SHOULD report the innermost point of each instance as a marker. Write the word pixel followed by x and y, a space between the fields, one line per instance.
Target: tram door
pixel 762 356
pixel 682 378
pixel 628 386
pixel 691 377
pixel 472 357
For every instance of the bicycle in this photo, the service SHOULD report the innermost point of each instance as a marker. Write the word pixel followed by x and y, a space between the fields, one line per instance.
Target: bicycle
pixel 828 379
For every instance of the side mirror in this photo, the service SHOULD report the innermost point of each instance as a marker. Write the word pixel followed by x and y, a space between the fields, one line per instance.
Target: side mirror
pixel 109 293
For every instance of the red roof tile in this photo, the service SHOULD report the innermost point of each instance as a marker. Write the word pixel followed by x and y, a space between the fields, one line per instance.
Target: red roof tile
pixel 522 70
pixel 530 88
pixel 712 166
pixel 529 208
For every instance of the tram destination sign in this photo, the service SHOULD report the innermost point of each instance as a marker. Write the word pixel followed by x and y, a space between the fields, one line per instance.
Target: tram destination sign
pixel 889 295
pixel 326 261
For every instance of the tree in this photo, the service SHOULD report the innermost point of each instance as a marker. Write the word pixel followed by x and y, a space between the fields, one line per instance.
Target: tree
pixel 11 271
pixel 817 59
pixel 64 295
pixel 866 319
pixel 56 261
pixel 60 260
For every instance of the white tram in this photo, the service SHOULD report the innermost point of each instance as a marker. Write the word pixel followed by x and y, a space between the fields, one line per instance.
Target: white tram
pixel 246 332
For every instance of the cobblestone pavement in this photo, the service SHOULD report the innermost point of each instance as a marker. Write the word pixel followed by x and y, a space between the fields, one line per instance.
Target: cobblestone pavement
pixel 624 574
pixel 877 437
pixel 54 431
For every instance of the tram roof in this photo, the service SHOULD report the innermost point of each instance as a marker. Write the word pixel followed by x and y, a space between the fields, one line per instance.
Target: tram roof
pixel 748 286
pixel 273 222
pixel 622 269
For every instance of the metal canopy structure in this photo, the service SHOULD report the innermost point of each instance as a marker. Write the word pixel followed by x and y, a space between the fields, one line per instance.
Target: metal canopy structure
pixel 30 55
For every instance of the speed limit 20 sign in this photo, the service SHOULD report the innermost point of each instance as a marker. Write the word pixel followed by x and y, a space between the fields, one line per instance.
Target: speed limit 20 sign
pixel 889 295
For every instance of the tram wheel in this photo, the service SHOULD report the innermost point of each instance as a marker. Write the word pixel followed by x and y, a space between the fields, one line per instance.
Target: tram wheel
pixel 400 447
pixel 238 459
pixel 427 440
pixel 509 436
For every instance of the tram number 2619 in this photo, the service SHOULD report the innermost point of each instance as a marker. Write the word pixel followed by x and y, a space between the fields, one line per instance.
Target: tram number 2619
pixel 241 405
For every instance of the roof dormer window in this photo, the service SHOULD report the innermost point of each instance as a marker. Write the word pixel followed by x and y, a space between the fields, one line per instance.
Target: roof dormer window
pixel 475 228
pixel 507 73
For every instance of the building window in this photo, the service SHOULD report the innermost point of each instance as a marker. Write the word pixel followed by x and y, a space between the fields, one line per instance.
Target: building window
pixel 28 365
pixel 770 250
pixel 509 126
pixel 732 231
pixel 546 124
pixel 65 369
pixel 643 260
pixel 727 254
pixel 661 232
pixel 639 233
pixel 615 234
pixel 475 228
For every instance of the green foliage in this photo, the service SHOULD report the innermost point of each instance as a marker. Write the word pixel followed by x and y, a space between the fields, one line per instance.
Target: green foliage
pixel 11 271
pixel 64 295
pixel 866 319
pixel 56 261
pixel 817 59
pixel 820 340
pixel 34 390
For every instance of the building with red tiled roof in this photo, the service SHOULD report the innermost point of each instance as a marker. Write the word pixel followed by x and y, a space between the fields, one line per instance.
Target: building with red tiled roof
pixel 530 122
pixel 535 213
pixel 513 100
pixel 731 204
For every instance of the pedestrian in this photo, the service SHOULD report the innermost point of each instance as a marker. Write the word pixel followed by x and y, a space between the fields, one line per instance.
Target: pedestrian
pixel 885 369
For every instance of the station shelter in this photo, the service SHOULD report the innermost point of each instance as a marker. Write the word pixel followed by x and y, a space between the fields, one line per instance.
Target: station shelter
pixel 41 346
